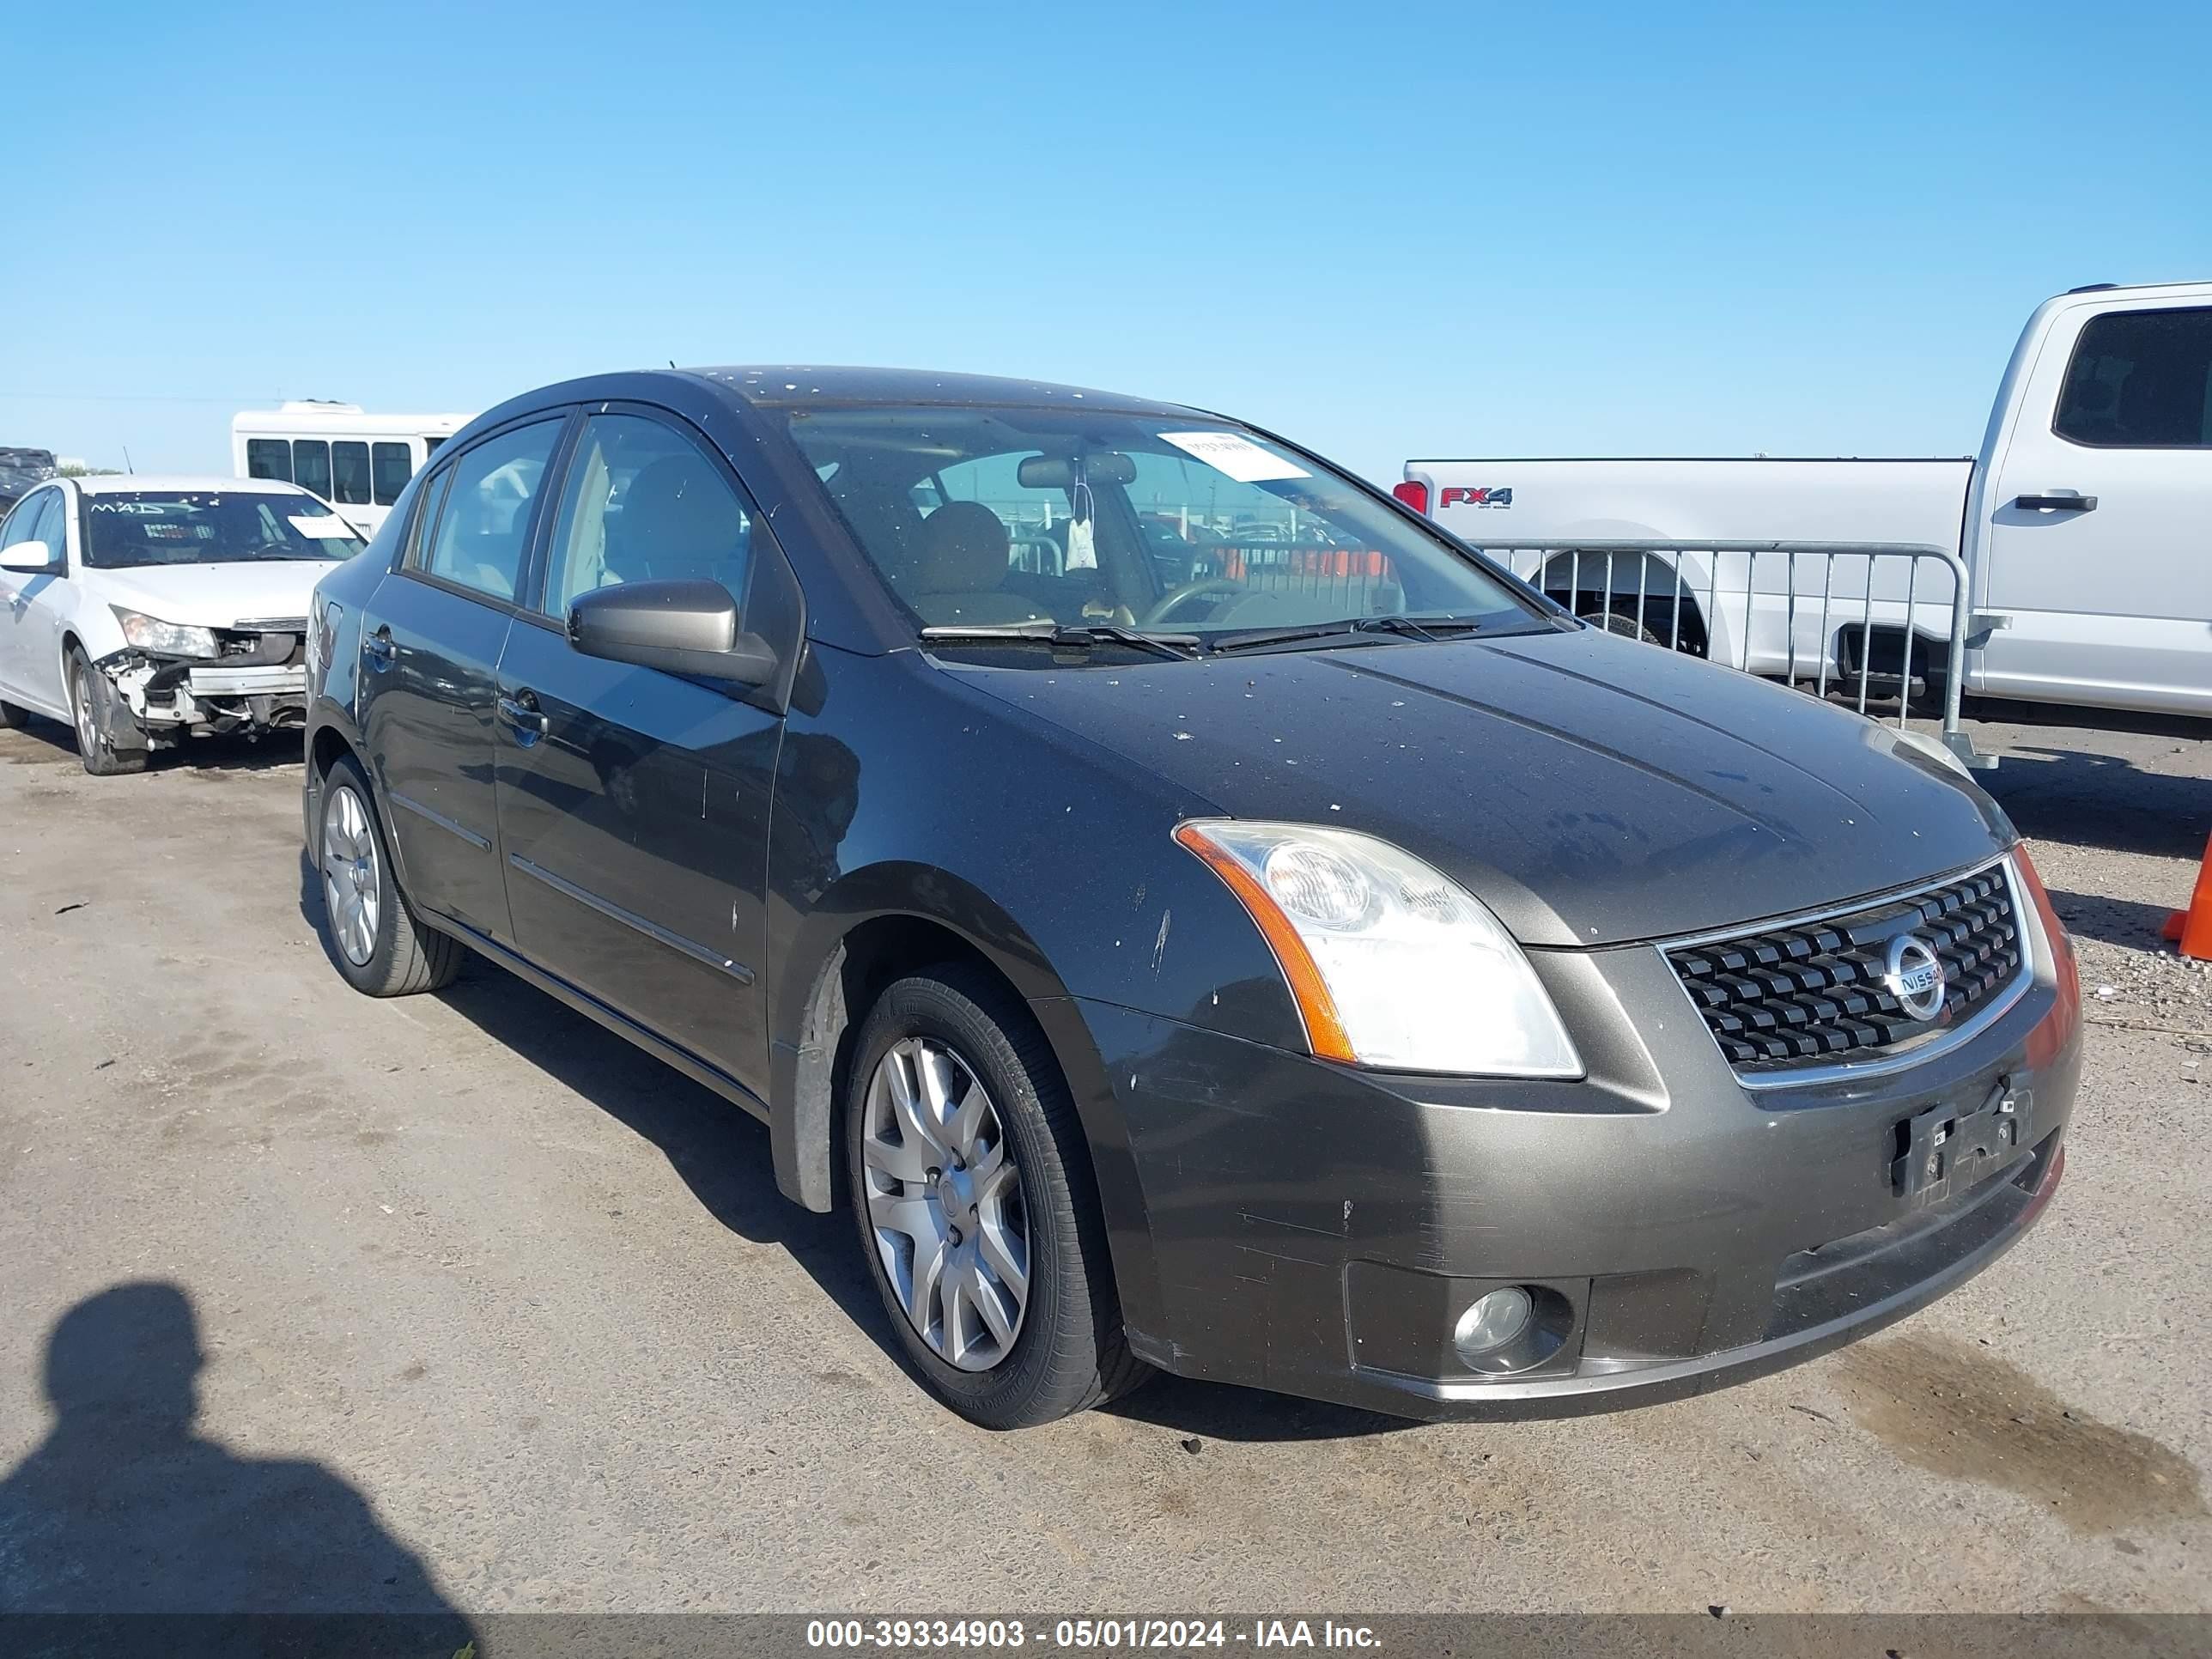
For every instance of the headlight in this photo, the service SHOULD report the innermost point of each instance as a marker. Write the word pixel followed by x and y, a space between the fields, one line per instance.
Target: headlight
pixel 1392 964
pixel 165 639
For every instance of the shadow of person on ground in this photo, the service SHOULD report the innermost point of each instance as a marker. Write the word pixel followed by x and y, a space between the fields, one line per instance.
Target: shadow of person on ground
pixel 126 1509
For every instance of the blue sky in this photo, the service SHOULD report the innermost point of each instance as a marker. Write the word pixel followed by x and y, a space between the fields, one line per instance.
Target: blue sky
pixel 1385 230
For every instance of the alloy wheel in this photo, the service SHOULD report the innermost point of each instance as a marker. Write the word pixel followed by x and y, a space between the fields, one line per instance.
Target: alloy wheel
pixel 944 1198
pixel 88 737
pixel 352 890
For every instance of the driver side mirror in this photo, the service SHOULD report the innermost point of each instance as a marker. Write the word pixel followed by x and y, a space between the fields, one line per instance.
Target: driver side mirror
pixel 31 559
pixel 687 627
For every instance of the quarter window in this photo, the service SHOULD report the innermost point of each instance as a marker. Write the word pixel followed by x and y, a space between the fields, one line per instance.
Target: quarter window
pixel 644 503
pixel 269 458
pixel 391 466
pixel 310 466
pixel 2141 380
pixel 350 473
pixel 485 520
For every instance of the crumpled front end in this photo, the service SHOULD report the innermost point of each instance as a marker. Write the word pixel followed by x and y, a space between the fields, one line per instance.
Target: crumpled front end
pixel 257 683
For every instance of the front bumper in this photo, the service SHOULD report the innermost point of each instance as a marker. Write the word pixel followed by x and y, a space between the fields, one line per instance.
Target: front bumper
pixel 1315 1230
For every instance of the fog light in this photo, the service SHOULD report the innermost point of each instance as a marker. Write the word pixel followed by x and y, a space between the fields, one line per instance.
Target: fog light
pixel 1491 1323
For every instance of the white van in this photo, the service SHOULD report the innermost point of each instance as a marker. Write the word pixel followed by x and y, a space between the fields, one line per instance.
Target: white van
pixel 2085 523
pixel 358 462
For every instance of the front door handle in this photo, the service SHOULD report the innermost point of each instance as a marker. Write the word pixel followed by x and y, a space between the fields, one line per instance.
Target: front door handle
pixel 2058 501
pixel 524 714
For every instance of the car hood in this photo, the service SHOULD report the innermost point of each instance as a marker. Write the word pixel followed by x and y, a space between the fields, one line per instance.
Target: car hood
pixel 1591 789
pixel 216 595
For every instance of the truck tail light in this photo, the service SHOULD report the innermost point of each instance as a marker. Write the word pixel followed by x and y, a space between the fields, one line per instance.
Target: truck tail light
pixel 1413 493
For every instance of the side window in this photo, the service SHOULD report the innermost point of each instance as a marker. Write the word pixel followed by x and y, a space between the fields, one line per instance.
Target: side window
pixel 269 458
pixel 350 473
pixel 485 516
pixel 2140 379
pixel 644 503
pixel 311 465
pixel 391 466
pixel 38 518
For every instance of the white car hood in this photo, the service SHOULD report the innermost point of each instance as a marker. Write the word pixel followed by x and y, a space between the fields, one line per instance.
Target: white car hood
pixel 216 595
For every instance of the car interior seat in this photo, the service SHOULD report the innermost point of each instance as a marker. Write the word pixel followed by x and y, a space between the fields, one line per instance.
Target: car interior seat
pixel 679 521
pixel 960 570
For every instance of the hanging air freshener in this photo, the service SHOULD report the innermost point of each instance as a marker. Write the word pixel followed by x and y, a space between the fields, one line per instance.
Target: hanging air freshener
pixel 1082 549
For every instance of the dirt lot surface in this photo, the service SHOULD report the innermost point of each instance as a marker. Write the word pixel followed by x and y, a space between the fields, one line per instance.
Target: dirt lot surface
pixel 489 1312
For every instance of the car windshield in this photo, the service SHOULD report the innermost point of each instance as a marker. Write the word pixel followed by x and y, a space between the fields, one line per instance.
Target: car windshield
pixel 127 528
pixel 1041 519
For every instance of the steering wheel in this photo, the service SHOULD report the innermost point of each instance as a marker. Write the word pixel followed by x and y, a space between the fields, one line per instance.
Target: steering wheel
pixel 1169 602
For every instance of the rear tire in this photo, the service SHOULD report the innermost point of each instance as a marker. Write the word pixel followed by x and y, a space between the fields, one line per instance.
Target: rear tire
pixel 91 708
pixel 1626 625
pixel 1018 1324
pixel 370 932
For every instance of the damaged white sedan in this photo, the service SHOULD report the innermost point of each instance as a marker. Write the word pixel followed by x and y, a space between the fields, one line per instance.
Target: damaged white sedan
pixel 141 610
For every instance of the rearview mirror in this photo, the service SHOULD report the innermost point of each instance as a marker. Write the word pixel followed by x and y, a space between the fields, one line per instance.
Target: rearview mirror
pixel 30 559
pixel 678 627
pixel 1104 466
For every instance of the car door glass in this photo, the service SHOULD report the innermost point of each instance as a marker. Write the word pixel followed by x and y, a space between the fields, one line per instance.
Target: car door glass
pixel 48 525
pixel 485 517
pixel 644 503
pixel 2140 379
pixel 17 527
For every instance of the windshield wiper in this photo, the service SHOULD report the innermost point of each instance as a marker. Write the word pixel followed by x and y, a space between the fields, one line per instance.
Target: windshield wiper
pixel 1411 628
pixel 1064 636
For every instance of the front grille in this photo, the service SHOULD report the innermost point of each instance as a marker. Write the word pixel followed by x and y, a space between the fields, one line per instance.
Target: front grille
pixel 1815 992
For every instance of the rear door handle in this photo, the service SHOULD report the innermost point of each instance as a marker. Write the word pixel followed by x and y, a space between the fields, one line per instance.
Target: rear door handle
pixel 379 648
pixel 2058 501
pixel 524 714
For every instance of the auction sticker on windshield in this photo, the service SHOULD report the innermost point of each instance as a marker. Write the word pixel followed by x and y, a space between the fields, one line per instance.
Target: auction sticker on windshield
pixel 1234 453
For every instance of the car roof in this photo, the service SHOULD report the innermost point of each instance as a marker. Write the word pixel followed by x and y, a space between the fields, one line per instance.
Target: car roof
pixel 803 385
pixel 110 482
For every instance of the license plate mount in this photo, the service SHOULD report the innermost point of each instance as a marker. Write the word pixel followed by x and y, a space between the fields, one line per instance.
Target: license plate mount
pixel 1945 1149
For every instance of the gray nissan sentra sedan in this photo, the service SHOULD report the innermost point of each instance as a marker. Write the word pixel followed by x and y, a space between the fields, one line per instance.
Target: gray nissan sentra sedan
pixel 1191 912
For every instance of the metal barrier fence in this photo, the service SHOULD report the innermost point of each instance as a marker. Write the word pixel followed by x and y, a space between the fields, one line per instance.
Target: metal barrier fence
pixel 1720 601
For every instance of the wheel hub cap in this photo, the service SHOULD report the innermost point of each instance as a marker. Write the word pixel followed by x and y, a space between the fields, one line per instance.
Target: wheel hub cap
pixel 353 891
pixel 944 1203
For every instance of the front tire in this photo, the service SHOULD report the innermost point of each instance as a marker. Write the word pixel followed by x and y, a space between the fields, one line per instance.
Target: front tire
pixel 11 716
pixel 371 936
pixel 91 709
pixel 971 1188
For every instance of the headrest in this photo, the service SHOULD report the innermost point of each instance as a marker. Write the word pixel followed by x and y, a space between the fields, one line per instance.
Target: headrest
pixel 963 550
pixel 677 508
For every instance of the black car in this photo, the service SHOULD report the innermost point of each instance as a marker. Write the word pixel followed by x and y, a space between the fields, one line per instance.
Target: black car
pixel 1337 971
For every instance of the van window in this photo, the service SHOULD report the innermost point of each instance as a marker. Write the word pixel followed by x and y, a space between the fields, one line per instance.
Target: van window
pixel 2141 380
pixel 350 473
pixel 393 466
pixel 485 517
pixel 269 458
pixel 310 466
pixel 644 503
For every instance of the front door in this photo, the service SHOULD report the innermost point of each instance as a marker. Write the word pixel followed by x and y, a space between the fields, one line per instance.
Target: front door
pixel 28 636
pixel 634 804
pixel 2099 543
pixel 431 639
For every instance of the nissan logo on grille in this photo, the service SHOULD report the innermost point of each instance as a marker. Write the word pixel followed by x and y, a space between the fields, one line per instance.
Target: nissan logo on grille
pixel 1914 974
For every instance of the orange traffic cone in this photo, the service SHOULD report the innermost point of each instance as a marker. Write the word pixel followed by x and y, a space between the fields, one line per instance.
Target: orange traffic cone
pixel 2193 926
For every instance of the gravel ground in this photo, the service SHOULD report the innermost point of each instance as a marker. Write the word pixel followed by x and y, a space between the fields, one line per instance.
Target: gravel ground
pixel 489 1311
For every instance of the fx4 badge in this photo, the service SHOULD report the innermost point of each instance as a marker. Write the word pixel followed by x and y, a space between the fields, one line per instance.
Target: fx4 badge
pixel 1454 496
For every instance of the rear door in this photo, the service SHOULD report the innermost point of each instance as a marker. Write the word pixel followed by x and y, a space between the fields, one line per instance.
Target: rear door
pixel 431 639
pixel 633 803
pixel 2098 514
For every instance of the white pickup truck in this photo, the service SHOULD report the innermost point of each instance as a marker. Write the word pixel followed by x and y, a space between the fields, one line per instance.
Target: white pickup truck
pixel 2084 527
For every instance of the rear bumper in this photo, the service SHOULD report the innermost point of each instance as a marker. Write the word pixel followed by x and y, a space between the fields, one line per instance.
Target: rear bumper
pixel 1310 1229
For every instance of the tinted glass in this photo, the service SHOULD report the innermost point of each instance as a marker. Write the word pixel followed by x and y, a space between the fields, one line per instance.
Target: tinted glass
pixel 2141 380
pixel 485 517
pixel 311 465
pixel 18 526
pixel 393 466
pixel 269 458
pixel 350 473
pixel 125 528
pixel 644 503
pixel 47 522
pixel 998 516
